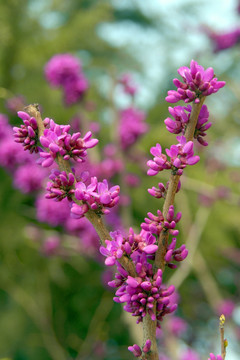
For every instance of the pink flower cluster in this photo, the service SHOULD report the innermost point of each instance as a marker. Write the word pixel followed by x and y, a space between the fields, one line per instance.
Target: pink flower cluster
pixel 57 140
pixel 64 70
pixel 196 82
pixel 61 185
pixel 157 224
pixel 142 292
pixel 96 196
pixel 133 245
pixel 180 156
pixel 131 126
pixel 181 115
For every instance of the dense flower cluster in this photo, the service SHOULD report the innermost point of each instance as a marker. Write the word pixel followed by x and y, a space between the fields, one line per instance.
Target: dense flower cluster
pixel 175 254
pixel 155 224
pixel 61 185
pixel 131 126
pixel 133 245
pixel 65 70
pixel 180 156
pixel 181 115
pixel 197 82
pixel 142 292
pixel 57 140
pixel 96 196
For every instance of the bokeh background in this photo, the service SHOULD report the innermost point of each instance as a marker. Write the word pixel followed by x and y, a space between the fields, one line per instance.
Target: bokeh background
pixel 56 304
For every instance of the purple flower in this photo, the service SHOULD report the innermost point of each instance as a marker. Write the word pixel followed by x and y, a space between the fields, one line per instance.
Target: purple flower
pixel 65 70
pixel 113 250
pixel 132 125
pixel 97 196
pixel 58 141
pixel 197 82
pixel 181 119
pixel 223 41
pixel 27 134
pixel 159 161
pixel 61 68
pixel 155 224
pixel 182 155
pixel 181 115
pixel 175 254
pixel 61 185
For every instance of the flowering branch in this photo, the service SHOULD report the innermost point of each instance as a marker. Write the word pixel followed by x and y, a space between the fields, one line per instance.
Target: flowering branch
pixel 33 111
pixel 140 258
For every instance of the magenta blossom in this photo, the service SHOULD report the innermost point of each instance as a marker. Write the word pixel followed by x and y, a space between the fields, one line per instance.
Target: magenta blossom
pixel 57 140
pixel 65 70
pixel 181 155
pixel 131 126
pixel 96 196
pixel 113 250
pixel 155 224
pixel 159 161
pixel 197 82
pixel 61 185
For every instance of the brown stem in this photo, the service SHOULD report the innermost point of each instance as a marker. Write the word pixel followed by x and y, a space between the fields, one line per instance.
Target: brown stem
pixel 223 341
pixel 149 332
pixel 33 110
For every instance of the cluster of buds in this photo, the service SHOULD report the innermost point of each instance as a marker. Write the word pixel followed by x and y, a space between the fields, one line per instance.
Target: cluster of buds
pixel 61 185
pixel 160 192
pixel 144 292
pixel 64 70
pixel 175 254
pixel 155 224
pixel 57 140
pixel 180 156
pixel 197 82
pixel 132 246
pixel 137 351
pixel 96 196
pixel 181 116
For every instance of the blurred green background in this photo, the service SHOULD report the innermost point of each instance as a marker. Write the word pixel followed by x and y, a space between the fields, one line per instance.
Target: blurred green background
pixel 57 307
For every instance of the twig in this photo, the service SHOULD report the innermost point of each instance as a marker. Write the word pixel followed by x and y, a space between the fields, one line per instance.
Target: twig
pixel 223 341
